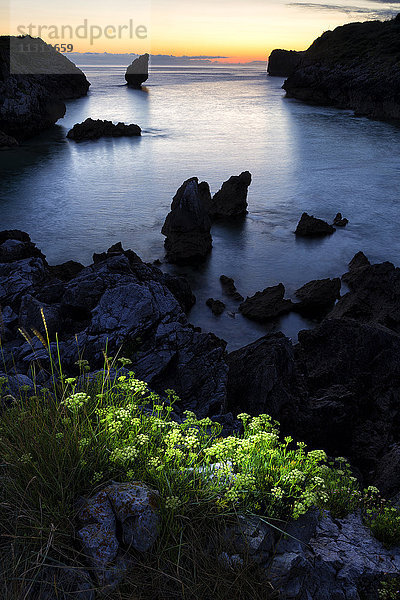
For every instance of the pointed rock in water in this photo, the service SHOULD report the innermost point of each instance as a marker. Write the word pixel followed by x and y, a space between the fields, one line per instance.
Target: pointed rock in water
pixel 267 304
pixel 217 307
pixel 93 129
pixel 310 226
pixel 187 226
pixel 339 221
pixel 138 72
pixel 231 200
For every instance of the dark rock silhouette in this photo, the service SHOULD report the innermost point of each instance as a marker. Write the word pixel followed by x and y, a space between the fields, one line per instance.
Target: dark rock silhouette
pixel 228 285
pixel 355 66
pixel 93 129
pixel 138 72
pixel 187 226
pixel 231 200
pixel 339 221
pixel 266 305
pixel 358 260
pixel 217 307
pixel 310 226
pixel 318 295
pixel 282 63
pixel 34 81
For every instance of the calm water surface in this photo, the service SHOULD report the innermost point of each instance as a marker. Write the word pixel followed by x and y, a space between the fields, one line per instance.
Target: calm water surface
pixel 76 199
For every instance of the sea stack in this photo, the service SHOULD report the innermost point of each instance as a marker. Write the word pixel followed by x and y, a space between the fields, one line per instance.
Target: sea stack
pixel 231 200
pixel 187 226
pixel 138 72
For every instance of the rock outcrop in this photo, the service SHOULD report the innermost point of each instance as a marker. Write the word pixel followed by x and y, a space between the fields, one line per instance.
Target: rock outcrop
pixel 34 81
pixel 310 226
pixel 229 288
pixel 187 227
pixel 356 66
pixel 138 72
pixel 318 295
pixel 93 129
pixel 282 63
pixel 120 303
pixel 231 200
pixel 266 305
pixel 217 307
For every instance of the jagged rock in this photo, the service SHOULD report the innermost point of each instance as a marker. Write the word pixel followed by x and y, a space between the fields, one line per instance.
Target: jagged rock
pixel 231 200
pixel 374 294
pixel 262 378
pixel 228 285
pixel 318 295
pixel 217 307
pixel 138 72
pixel 358 260
pixel 388 472
pixel 93 129
pixel 355 66
pixel 310 226
pixel 66 271
pixel 33 85
pixel 187 226
pixel 339 221
pixel 12 249
pixel 30 316
pixel 7 141
pixel 19 278
pixel 282 63
pixel 267 304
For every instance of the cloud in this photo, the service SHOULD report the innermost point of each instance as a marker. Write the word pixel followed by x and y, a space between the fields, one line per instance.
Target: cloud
pixel 371 13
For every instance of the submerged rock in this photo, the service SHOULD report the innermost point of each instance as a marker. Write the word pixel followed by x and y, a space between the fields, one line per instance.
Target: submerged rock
pixel 231 200
pixel 93 129
pixel 310 226
pixel 34 81
pixel 266 305
pixel 282 63
pixel 187 227
pixel 138 72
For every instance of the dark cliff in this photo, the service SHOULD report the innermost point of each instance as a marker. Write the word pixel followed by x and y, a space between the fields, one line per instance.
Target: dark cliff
pixel 34 81
pixel 356 66
pixel 283 63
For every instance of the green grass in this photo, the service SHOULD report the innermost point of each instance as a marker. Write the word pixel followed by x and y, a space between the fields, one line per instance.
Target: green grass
pixel 72 440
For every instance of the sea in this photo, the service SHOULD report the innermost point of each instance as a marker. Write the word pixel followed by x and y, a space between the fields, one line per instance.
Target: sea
pixel 211 122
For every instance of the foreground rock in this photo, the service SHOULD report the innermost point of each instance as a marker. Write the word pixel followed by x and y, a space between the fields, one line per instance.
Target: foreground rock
pixel 187 227
pixel 318 295
pixel 310 226
pixel 355 66
pixel 138 72
pixel 93 129
pixel 120 303
pixel 34 81
pixel 231 200
pixel 283 63
pixel 266 305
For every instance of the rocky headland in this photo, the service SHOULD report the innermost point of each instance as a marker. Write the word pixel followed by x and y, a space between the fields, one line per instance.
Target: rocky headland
pixel 355 66
pixel 282 63
pixel 34 82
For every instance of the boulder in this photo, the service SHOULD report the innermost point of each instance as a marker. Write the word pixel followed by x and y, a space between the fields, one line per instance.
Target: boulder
pixel 217 307
pixel 138 72
pixel 339 221
pixel 310 226
pixel 282 63
pixel 187 226
pixel 93 129
pixel 229 288
pixel 318 295
pixel 266 305
pixel 231 200
pixel 35 79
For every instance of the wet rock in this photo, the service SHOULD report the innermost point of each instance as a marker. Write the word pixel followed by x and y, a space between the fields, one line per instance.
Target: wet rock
pixel 262 378
pixel 339 221
pixel 231 200
pixel 187 226
pixel 7 141
pixel 266 305
pixel 228 285
pixel 318 295
pixel 282 63
pixel 93 129
pixel 310 226
pixel 138 71
pixel 217 307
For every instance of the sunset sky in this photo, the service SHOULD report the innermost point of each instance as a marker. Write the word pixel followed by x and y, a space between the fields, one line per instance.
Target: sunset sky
pixel 241 30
